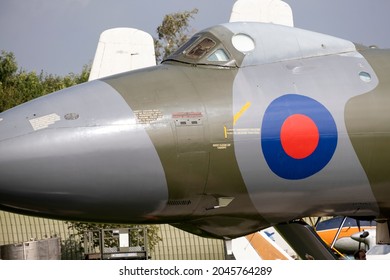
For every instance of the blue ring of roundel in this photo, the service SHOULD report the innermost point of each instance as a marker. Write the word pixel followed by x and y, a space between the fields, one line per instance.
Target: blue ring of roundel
pixel 277 159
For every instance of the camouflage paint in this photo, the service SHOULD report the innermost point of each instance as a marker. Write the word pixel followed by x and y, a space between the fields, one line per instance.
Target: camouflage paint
pixel 198 159
pixel 181 142
pixel 367 119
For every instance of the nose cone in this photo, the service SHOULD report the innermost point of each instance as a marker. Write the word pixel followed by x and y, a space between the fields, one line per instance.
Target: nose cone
pixel 79 154
pixel 361 236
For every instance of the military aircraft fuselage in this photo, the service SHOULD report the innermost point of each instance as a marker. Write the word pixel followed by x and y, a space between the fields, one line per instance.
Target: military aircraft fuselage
pixel 245 126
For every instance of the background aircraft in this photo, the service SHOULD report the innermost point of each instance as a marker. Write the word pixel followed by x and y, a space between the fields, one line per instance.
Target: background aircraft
pixel 345 234
pixel 246 126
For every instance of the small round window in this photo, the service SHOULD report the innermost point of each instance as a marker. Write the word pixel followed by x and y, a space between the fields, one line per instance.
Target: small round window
pixel 243 43
pixel 365 77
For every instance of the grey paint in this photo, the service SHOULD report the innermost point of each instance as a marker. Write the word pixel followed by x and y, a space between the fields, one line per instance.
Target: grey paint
pixel 111 166
pixel 342 185
pixel 275 43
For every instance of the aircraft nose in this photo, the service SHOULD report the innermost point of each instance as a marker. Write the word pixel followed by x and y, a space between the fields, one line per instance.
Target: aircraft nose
pixel 17 158
pixel 78 154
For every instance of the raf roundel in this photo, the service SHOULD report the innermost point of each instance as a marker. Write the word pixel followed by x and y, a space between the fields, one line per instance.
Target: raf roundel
pixel 298 136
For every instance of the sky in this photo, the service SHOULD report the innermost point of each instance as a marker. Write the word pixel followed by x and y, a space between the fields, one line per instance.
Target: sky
pixel 60 36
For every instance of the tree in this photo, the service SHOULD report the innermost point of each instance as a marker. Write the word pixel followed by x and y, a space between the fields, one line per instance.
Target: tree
pixel 172 33
pixel 82 228
pixel 19 86
pixel 8 67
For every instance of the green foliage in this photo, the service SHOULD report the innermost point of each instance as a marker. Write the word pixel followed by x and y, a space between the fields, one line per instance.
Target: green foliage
pixel 81 228
pixel 19 86
pixel 71 249
pixel 8 67
pixel 172 33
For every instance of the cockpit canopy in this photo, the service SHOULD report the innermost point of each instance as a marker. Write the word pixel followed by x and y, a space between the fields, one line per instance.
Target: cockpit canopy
pixel 248 44
pixel 204 48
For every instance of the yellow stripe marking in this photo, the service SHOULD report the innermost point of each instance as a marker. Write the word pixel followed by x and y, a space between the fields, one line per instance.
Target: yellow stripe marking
pixel 242 111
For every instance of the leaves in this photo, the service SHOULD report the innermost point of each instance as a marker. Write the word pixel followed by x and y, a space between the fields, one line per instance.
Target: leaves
pixel 8 67
pixel 172 33
pixel 20 86
pixel 82 228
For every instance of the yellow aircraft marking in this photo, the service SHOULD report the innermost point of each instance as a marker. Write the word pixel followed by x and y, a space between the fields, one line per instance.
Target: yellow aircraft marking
pixel 236 117
pixel 241 112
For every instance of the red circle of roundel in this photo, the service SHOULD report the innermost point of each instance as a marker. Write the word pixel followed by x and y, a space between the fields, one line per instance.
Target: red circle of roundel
pixel 298 136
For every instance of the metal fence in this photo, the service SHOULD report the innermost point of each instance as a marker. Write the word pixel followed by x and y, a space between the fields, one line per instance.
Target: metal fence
pixel 175 245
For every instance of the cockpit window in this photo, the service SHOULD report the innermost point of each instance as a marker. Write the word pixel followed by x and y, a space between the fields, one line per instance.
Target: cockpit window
pixel 207 49
pixel 186 45
pixel 200 49
pixel 218 56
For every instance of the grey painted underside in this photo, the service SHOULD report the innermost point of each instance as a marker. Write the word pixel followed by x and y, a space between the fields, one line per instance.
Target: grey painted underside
pixel 92 159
